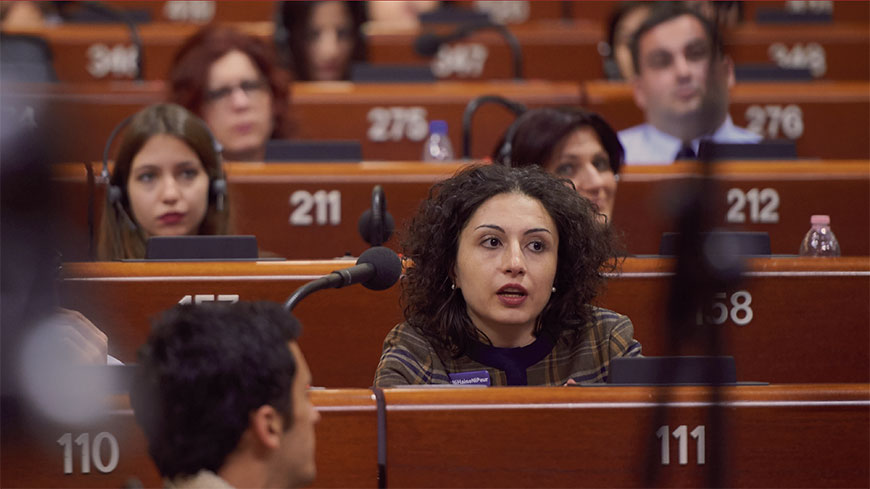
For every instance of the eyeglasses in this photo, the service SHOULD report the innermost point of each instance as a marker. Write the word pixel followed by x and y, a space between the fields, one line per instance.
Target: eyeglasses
pixel 250 87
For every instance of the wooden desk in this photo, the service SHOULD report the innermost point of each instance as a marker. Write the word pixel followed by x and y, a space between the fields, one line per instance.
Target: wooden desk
pixel 648 198
pixel 769 436
pixel 812 435
pixel 390 120
pixel 808 113
pixel 552 49
pixel 32 456
pixel 778 323
pixel 792 320
pixel 343 329
pixel 201 12
pixel 521 12
pixel 568 50
pixel 268 200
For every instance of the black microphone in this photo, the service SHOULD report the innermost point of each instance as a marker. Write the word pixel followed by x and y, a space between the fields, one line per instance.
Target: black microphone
pixel 517 108
pixel 428 43
pixel 376 224
pixel 377 268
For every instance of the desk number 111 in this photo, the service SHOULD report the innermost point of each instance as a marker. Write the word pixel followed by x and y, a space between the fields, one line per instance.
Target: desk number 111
pixel 682 435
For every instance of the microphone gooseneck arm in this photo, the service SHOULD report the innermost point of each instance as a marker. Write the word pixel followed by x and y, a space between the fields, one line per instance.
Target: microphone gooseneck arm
pixel 431 42
pixel 470 109
pixel 119 14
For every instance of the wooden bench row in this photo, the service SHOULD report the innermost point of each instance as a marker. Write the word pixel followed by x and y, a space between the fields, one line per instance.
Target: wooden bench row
pixel 753 436
pixel 310 211
pixel 552 49
pixel 391 121
pixel 791 320
pixel 513 12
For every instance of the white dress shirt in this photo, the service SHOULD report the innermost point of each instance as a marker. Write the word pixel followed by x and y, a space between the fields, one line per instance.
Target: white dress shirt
pixel 646 145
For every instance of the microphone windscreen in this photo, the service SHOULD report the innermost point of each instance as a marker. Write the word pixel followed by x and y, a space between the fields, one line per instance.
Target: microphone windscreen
pixel 427 44
pixel 387 265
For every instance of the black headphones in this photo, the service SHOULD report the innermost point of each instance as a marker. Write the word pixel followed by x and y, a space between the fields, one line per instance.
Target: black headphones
pixel 217 189
pixel 376 224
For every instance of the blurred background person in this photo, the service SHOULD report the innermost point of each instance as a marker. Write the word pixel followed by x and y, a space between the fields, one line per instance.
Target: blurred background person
pixel 400 14
pixel 321 40
pixel 507 263
pixel 682 83
pixel 230 80
pixel 623 22
pixel 571 143
pixel 167 181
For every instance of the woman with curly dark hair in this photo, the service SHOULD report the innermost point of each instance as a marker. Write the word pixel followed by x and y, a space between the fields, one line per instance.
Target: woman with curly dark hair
pixel 506 264
pixel 231 80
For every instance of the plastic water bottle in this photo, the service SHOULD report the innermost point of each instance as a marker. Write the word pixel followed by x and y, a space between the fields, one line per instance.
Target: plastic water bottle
pixel 437 147
pixel 820 240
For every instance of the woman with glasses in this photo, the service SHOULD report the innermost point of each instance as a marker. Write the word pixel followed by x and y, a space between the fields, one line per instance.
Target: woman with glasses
pixel 231 80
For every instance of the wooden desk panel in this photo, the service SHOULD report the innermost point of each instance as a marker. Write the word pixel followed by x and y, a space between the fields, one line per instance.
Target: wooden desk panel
pixel 104 52
pixel 390 120
pixel 261 202
pixel 346 449
pixel 648 198
pixel 808 113
pixel 840 11
pixel 560 50
pixel 519 12
pixel 837 51
pixel 343 329
pixel 231 11
pixel 551 50
pixel 807 315
pixel 770 436
pixel 790 320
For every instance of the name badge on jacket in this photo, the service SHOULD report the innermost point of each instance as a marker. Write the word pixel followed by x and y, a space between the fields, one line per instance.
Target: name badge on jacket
pixel 478 377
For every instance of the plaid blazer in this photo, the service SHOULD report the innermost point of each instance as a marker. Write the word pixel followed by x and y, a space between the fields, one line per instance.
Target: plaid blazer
pixel 409 358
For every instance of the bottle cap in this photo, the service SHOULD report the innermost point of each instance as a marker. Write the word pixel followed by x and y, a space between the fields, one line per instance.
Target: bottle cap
pixel 438 127
pixel 820 219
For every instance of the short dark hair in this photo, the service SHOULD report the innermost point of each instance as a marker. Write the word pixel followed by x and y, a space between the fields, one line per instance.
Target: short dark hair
pixel 665 12
pixel 537 132
pixel 586 249
pixel 188 75
pixel 296 15
pixel 202 371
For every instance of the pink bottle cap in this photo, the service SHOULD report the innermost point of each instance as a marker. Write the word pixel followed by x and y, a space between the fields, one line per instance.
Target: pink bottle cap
pixel 820 219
